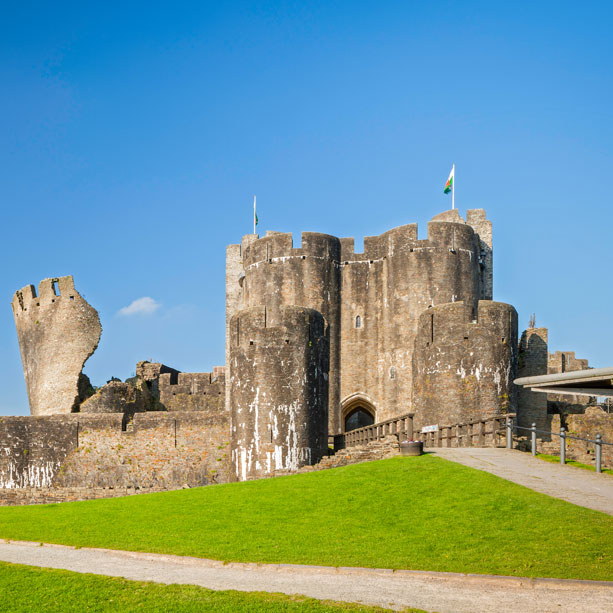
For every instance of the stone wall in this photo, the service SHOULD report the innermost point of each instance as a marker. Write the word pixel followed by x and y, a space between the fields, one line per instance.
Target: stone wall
pixel 193 392
pixel 587 425
pixel 464 363
pixel 278 389
pixel 157 450
pixel 117 397
pixel 57 332
pixel 32 449
pixel 50 495
pixel 532 361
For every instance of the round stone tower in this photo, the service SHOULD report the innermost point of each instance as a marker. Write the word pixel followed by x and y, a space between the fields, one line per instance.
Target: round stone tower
pixel 464 363
pixel 279 363
pixel 277 274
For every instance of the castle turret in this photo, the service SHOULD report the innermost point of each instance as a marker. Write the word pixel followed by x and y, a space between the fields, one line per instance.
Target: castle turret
pixel 278 386
pixel 57 331
pixel 464 363
pixel 277 274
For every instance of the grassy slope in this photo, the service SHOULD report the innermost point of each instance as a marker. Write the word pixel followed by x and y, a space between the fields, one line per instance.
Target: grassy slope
pixel 415 513
pixel 34 589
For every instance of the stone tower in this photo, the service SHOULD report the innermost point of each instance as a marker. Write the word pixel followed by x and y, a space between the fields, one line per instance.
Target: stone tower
pixel 57 331
pixel 372 301
pixel 278 388
pixel 464 362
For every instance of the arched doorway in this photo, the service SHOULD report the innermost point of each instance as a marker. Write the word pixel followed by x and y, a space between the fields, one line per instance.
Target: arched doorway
pixel 358 411
pixel 358 418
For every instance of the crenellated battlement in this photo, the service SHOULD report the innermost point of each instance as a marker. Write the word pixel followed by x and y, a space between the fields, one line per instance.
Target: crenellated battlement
pixel 49 291
pixel 445 231
pixel 277 245
pixel 195 380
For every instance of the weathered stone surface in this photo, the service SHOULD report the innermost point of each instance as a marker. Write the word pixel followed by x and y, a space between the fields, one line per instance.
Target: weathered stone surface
pixel 117 397
pixel 276 274
pixel 532 360
pixel 57 331
pixel 278 389
pixel 464 363
pixel 372 301
pixel 168 389
pixel 157 450
pixel 194 391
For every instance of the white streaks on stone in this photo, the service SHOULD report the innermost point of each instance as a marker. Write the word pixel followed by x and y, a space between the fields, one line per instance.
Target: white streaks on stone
pixel 33 475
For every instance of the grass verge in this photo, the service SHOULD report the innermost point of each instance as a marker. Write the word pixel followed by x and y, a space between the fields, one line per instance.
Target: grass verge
pixel 422 513
pixel 555 459
pixel 29 588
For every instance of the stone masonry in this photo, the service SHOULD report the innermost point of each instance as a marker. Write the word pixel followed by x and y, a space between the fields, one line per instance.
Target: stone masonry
pixel 372 301
pixel 57 331
pixel 464 362
pixel 279 364
pixel 316 336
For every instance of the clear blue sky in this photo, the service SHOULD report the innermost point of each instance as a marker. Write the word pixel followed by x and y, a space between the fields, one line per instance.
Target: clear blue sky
pixel 134 136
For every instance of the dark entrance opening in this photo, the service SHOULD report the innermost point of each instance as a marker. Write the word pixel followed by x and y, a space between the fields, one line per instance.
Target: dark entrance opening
pixel 358 418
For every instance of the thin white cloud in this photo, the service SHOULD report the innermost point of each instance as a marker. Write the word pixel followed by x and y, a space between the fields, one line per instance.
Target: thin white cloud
pixel 141 306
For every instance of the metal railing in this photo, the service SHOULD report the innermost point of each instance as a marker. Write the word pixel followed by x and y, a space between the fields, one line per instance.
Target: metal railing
pixel 598 442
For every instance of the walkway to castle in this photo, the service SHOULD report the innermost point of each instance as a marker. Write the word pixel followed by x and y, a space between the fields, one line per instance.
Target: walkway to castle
pixel 430 591
pixel 576 485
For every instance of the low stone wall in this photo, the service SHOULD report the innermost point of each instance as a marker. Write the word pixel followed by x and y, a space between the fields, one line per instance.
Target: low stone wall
pixel 586 425
pixel 50 495
pixel 158 450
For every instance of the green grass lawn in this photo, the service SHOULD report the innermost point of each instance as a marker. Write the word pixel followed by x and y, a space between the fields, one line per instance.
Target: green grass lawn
pixel 421 513
pixel 27 588
pixel 556 460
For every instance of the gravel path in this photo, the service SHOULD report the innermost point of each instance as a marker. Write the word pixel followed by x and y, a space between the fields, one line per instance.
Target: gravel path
pixel 576 485
pixel 441 592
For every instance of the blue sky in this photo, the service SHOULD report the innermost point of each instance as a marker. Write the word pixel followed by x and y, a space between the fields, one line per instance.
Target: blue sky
pixel 134 136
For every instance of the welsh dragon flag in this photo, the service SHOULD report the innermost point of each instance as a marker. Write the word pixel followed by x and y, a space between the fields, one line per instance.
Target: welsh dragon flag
pixel 449 184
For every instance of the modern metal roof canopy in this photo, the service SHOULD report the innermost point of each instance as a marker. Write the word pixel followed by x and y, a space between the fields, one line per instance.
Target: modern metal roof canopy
pixel 591 382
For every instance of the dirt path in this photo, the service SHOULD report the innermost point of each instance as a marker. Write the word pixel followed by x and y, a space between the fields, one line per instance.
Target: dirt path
pixel 442 592
pixel 569 483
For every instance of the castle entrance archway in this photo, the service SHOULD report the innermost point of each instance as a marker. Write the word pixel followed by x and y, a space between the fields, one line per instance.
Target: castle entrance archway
pixel 357 411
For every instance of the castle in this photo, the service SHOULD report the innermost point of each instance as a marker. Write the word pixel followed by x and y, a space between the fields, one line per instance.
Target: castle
pixel 319 340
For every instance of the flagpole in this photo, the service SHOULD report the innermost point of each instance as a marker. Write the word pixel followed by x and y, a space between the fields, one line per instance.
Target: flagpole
pixel 453 189
pixel 254 215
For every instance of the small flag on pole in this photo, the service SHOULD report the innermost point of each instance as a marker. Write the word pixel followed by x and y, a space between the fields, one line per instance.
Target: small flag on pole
pixel 450 186
pixel 255 216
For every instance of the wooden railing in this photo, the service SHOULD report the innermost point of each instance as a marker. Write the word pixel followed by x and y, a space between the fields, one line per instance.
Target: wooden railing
pixel 485 432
